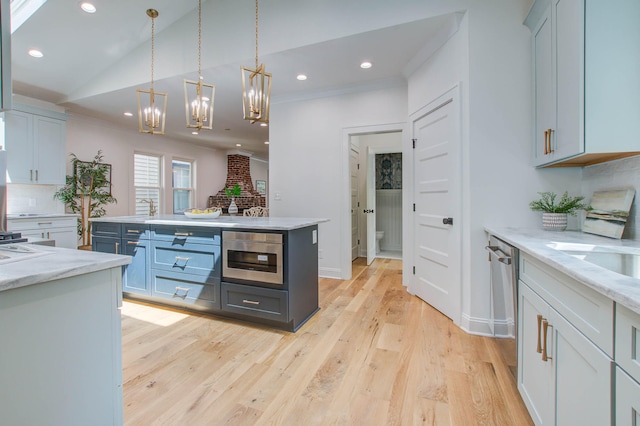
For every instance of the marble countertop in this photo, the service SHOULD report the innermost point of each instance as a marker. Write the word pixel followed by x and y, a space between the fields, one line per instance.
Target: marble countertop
pixel 238 222
pixel 538 243
pixel 51 263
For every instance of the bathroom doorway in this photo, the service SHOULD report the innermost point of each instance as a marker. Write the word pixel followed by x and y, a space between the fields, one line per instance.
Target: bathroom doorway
pixel 380 186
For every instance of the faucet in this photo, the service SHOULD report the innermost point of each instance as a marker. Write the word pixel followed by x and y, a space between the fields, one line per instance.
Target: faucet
pixel 152 208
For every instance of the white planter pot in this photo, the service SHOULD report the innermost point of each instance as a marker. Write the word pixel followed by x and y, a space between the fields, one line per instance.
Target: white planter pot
pixel 554 221
pixel 233 208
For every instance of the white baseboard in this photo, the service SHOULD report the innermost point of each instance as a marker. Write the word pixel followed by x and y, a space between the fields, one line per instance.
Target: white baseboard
pixel 482 327
pixel 335 273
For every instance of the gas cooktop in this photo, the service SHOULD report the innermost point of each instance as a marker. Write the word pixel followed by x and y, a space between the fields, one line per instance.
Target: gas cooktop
pixel 11 237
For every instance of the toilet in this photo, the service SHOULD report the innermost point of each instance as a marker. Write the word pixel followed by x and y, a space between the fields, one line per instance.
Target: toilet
pixel 379 236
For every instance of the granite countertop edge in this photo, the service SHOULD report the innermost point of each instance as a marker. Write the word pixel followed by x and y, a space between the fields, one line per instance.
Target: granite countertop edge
pixel 56 263
pixel 238 222
pixel 620 288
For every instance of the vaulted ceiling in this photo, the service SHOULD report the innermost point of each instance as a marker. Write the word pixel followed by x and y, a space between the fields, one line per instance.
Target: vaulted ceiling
pixel 93 63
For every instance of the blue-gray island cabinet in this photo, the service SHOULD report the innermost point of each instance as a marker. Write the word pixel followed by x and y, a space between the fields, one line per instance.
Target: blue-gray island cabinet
pixel 263 270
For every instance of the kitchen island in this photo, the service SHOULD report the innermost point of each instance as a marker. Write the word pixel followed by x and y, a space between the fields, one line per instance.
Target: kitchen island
pixel 258 269
pixel 60 359
pixel 578 326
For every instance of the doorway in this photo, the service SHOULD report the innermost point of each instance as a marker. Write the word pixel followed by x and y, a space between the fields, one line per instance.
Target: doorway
pixel 378 171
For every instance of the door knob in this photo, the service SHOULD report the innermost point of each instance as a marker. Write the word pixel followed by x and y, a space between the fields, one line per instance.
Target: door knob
pixel 447 221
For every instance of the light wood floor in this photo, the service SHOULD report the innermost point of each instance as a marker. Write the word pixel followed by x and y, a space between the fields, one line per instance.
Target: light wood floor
pixel 373 355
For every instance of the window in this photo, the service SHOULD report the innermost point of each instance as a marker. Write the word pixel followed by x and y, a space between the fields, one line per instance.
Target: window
pixel 146 181
pixel 182 185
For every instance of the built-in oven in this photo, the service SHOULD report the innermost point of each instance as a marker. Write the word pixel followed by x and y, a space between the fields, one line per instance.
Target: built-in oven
pixel 254 257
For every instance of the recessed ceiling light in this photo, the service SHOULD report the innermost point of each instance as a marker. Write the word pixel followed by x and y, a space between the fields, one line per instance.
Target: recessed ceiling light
pixel 263 124
pixel 301 77
pixel 128 114
pixel 87 7
pixel 266 142
pixel 36 53
pixel 238 144
pixel 366 65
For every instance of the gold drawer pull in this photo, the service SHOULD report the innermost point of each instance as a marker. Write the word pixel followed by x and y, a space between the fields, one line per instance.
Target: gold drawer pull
pixel 45 223
pixel 186 259
pixel 133 243
pixel 117 248
pixel 539 347
pixel 250 302
pixel 545 327
pixel 181 234
pixel 133 231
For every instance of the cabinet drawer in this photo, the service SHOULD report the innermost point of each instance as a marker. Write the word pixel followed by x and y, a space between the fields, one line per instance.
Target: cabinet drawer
pixel 187 289
pixel 628 341
pixel 627 397
pixel 41 223
pixel 106 244
pixel 255 301
pixel 181 235
pixel 190 258
pixel 587 310
pixel 134 231
pixel 106 229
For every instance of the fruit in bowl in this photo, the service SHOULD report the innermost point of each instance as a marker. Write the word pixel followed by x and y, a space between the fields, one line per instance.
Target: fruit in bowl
pixel 203 213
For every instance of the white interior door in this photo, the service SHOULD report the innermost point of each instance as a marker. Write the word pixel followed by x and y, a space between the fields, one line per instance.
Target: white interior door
pixel 371 205
pixel 437 169
pixel 355 232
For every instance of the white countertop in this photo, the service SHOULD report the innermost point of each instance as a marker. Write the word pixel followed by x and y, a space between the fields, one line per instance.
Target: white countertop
pixel 39 215
pixel 539 244
pixel 238 222
pixel 51 263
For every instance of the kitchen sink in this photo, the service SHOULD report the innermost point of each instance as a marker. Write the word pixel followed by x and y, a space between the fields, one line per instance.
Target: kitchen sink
pixel 622 260
pixel 18 252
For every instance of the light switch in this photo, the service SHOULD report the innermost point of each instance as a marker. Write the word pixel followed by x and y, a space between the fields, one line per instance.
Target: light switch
pixel 277 196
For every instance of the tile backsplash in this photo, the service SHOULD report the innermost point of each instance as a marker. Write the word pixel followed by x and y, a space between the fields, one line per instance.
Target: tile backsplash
pixel 618 174
pixel 32 199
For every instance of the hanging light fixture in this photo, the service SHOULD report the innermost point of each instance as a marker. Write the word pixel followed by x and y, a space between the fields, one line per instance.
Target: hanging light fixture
pixel 198 96
pixel 150 116
pixel 256 89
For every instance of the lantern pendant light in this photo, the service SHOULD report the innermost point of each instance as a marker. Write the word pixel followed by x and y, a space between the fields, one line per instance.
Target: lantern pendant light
pixel 198 96
pixel 256 89
pixel 152 105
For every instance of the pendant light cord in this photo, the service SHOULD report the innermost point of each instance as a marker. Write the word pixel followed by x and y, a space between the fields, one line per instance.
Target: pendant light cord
pixel 153 27
pixel 256 34
pixel 199 35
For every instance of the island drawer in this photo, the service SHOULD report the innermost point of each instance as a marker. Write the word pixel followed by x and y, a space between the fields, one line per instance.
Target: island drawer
pixel 188 289
pixel 133 231
pixel 589 311
pixel 255 301
pixel 181 235
pixel 106 229
pixel 628 341
pixel 189 258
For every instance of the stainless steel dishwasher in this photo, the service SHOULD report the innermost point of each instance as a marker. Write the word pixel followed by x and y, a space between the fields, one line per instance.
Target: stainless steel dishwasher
pixel 504 287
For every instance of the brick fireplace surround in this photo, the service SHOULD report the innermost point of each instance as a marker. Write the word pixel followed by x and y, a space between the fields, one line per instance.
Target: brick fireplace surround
pixel 238 171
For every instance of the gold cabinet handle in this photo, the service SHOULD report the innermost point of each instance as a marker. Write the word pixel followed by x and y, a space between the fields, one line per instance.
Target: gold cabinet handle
pixel 36 175
pixel 117 248
pixel 545 327
pixel 133 231
pixel 549 150
pixel 31 174
pixel 181 234
pixel 133 243
pixel 546 136
pixel 44 223
pixel 185 289
pixel 186 259
pixel 539 347
pixel 250 302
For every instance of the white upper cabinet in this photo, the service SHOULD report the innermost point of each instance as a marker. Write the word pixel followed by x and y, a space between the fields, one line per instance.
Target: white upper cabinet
pixel 586 63
pixel 36 146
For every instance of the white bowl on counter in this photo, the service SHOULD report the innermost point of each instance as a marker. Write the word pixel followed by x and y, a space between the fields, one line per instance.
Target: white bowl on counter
pixel 202 215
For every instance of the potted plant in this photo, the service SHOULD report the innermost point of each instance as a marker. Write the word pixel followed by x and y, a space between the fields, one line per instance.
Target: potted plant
pixel 554 212
pixel 86 192
pixel 232 193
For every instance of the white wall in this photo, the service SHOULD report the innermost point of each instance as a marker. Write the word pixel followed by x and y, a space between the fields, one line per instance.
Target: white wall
pixel 260 171
pixel 309 161
pixel 85 136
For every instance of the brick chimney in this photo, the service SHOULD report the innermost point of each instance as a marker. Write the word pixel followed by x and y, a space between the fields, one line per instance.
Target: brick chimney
pixel 238 172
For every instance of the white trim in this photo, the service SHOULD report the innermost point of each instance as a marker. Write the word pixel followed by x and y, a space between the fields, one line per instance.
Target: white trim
pixel 335 273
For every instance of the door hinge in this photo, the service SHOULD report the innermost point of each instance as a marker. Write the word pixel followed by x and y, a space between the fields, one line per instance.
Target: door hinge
pixel 414 143
pixel 358 203
pixel 358 166
pixel 358 241
pixel 414 207
pixel 414 270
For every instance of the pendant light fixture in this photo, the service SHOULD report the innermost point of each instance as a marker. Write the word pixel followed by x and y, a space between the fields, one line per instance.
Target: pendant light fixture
pixel 256 89
pixel 198 96
pixel 152 105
